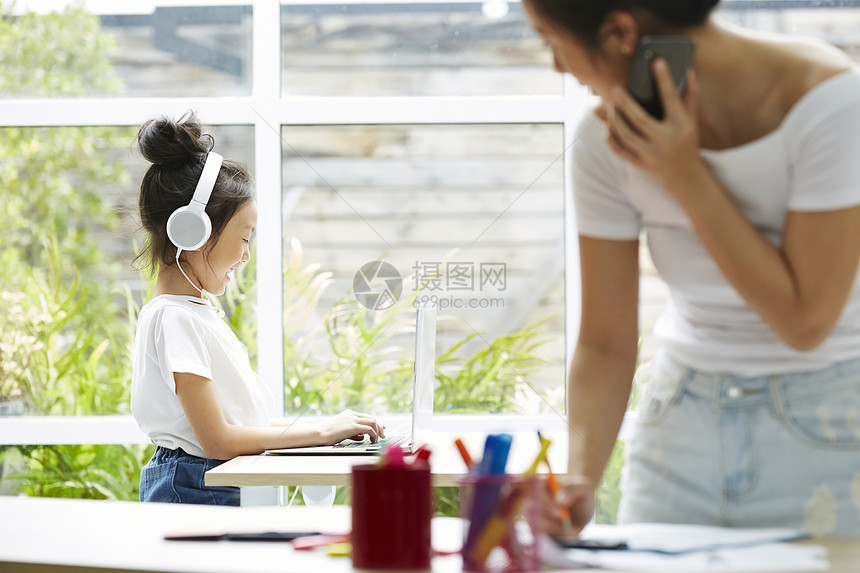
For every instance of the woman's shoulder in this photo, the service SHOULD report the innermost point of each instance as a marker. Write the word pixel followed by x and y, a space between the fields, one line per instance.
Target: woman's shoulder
pixel 811 67
pixel 830 100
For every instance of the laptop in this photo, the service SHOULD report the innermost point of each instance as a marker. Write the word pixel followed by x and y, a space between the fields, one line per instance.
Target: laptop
pixel 422 401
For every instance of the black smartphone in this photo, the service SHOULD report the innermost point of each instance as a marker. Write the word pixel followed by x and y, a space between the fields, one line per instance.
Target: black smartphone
pixel 678 52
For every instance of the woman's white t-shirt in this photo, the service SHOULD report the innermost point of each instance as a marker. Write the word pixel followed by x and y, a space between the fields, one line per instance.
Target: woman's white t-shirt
pixel 811 162
pixel 185 334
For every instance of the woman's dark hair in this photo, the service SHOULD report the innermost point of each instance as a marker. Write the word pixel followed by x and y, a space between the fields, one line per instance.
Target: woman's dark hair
pixel 177 150
pixel 583 18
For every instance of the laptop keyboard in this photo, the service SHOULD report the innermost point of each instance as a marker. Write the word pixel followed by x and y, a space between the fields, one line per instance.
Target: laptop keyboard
pixel 398 440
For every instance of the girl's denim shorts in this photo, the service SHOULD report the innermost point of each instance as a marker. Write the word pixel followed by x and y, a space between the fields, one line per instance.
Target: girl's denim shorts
pixel 781 450
pixel 174 476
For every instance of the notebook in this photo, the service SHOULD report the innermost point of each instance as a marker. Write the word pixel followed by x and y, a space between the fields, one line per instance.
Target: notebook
pixel 422 400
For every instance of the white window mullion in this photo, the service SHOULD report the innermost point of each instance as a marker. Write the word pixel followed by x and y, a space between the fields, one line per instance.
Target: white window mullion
pixel 305 110
pixel 121 111
pixel 266 93
pixel 123 430
pixel 269 113
pixel 576 104
pixel 40 430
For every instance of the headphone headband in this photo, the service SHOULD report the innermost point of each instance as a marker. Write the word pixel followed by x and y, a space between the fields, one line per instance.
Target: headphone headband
pixel 206 183
pixel 189 227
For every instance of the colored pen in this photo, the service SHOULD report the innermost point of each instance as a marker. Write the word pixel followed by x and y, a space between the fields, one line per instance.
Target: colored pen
pixel 393 456
pixel 486 495
pixel 554 488
pixel 312 542
pixel 496 450
pixel 500 522
pixel 342 549
pixel 541 457
pixel 464 453
pixel 422 456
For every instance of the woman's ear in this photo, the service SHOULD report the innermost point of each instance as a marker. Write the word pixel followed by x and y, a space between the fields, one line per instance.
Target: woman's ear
pixel 619 34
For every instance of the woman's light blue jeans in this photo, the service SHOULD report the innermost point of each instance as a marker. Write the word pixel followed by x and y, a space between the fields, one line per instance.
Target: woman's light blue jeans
pixel 747 452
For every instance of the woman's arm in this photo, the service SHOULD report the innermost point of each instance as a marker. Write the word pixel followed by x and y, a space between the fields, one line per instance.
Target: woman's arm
pixel 602 371
pixel 222 441
pixel 605 358
pixel 288 423
pixel 798 289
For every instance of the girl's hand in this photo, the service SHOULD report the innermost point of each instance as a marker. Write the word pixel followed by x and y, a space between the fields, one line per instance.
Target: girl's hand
pixel 668 150
pixel 577 494
pixel 351 425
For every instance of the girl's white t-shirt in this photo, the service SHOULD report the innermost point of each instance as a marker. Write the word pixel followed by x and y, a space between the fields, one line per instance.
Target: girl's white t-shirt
pixel 185 334
pixel 811 162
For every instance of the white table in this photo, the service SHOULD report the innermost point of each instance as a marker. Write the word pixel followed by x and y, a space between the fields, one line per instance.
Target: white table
pixel 68 535
pixel 446 465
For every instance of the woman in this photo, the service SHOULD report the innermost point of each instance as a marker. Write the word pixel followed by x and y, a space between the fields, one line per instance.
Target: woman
pixel 748 192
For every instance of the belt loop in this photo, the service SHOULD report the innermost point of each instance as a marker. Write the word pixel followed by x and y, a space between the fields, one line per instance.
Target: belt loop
pixel 684 376
pixel 777 397
pixel 717 391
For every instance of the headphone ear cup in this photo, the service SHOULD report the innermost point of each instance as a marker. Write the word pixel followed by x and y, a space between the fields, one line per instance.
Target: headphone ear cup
pixel 188 229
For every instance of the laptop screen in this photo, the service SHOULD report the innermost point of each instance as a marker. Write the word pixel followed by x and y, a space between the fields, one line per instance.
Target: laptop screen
pixel 425 376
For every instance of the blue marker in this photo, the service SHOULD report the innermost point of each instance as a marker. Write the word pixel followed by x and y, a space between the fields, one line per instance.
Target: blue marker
pixel 486 496
pixel 496 450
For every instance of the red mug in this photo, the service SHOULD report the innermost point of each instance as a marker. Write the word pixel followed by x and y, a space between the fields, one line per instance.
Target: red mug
pixel 391 512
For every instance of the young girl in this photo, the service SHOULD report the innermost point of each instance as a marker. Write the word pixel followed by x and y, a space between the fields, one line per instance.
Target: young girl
pixel 749 193
pixel 193 390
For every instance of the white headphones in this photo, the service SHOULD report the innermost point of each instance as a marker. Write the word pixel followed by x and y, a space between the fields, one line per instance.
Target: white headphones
pixel 189 227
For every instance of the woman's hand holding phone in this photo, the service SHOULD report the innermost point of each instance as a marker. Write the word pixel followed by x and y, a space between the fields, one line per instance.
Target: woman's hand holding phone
pixel 667 149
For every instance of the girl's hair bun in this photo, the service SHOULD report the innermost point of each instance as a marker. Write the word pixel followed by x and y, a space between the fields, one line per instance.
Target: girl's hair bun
pixel 165 140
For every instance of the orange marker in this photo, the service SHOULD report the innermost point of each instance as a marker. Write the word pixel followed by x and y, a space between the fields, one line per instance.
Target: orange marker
pixel 464 453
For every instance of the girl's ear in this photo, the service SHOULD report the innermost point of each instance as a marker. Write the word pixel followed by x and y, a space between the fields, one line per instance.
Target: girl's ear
pixel 619 34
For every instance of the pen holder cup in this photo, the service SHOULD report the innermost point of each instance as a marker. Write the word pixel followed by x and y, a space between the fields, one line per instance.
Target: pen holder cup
pixel 391 511
pixel 501 523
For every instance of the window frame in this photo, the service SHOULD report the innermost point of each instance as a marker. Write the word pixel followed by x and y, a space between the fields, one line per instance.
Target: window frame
pixel 267 111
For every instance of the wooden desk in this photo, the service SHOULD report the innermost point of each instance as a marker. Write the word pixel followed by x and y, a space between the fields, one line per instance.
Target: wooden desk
pixel 446 464
pixel 70 535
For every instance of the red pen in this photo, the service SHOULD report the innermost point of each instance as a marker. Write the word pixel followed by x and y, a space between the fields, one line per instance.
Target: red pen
pixel 422 456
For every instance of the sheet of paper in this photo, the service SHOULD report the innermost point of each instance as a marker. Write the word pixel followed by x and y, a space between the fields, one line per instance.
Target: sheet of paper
pixel 678 538
pixel 770 558
pixel 667 548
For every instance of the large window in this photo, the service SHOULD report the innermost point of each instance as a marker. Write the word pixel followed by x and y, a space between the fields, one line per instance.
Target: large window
pixel 471 218
pixel 412 49
pixel 429 136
